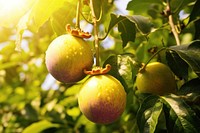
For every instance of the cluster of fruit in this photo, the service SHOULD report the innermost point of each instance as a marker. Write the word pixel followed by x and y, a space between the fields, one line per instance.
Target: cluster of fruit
pixel 102 98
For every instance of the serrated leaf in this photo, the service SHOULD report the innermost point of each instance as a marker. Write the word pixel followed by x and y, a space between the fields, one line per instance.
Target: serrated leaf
pixel 144 113
pixel 190 54
pixel 177 65
pixel 180 117
pixel 195 14
pixel 40 126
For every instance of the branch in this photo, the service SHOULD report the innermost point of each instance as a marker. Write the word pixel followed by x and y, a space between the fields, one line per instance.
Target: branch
pixel 96 38
pixel 171 23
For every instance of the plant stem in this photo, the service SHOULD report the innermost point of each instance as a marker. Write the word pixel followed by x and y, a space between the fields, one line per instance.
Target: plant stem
pixel 171 23
pixel 78 14
pixel 143 68
pixel 96 38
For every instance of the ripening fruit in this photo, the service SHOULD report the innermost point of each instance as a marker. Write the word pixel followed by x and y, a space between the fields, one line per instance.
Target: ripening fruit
pixel 156 78
pixel 66 58
pixel 102 99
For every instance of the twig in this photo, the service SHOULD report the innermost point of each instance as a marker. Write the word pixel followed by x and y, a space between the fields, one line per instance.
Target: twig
pixel 171 23
pixel 96 38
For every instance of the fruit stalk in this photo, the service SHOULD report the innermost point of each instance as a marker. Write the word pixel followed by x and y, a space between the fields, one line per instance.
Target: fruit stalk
pixel 96 38
pixel 78 14
pixel 143 68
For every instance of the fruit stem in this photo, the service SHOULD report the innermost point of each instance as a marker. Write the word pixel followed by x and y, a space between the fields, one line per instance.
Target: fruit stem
pixel 78 14
pixel 171 23
pixel 96 38
pixel 157 52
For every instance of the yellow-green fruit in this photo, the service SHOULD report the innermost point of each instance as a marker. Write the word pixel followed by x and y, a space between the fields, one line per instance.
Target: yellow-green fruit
pixel 102 99
pixel 66 58
pixel 156 78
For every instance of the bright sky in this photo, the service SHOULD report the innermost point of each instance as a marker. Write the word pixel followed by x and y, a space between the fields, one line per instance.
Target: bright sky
pixel 12 10
pixel 121 5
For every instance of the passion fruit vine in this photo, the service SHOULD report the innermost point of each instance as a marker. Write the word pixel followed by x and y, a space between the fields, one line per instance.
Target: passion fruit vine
pixel 66 58
pixel 102 99
pixel 156 78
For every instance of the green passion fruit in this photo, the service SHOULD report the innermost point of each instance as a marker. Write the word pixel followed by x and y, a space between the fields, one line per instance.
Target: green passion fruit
pixel 102 99
pixel 66 58
pixel 156 78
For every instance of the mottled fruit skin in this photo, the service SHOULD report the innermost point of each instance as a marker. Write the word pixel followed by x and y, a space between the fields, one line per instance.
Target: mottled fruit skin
pixel 102 99
pixel 157 78
pixel 66 58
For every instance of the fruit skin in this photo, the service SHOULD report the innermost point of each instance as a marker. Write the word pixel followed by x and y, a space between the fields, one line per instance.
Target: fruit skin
pixel 66 58
pixel 156 78
pixel 102 99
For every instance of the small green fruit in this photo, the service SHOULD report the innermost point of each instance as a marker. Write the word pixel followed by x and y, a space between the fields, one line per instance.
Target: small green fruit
pixel 102 99
pixel 66 58
pixel 156 78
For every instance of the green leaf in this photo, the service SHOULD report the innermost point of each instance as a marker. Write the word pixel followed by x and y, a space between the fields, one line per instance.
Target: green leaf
pixel 41 11
pixel 197 31
pixel 191 86
pixel 190 54
pixel 126 27
pixel 113 61
pixel 178 5
pixel 143 24
pixel 146 116
pixel 128 32
pixel 180 117
pixel 154 117
pixel 141 7
pixel 195 14
pixel 40 15
pixel 177 65
pixel 40 126
pixel 124 68
pixel 60 18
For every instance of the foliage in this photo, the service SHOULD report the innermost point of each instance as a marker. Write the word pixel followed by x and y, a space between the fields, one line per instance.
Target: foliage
pixel 31 100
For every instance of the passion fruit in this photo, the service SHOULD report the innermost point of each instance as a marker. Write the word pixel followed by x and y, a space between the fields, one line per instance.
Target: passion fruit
pixel 102 99
pixel 66 58
pixel 156 78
